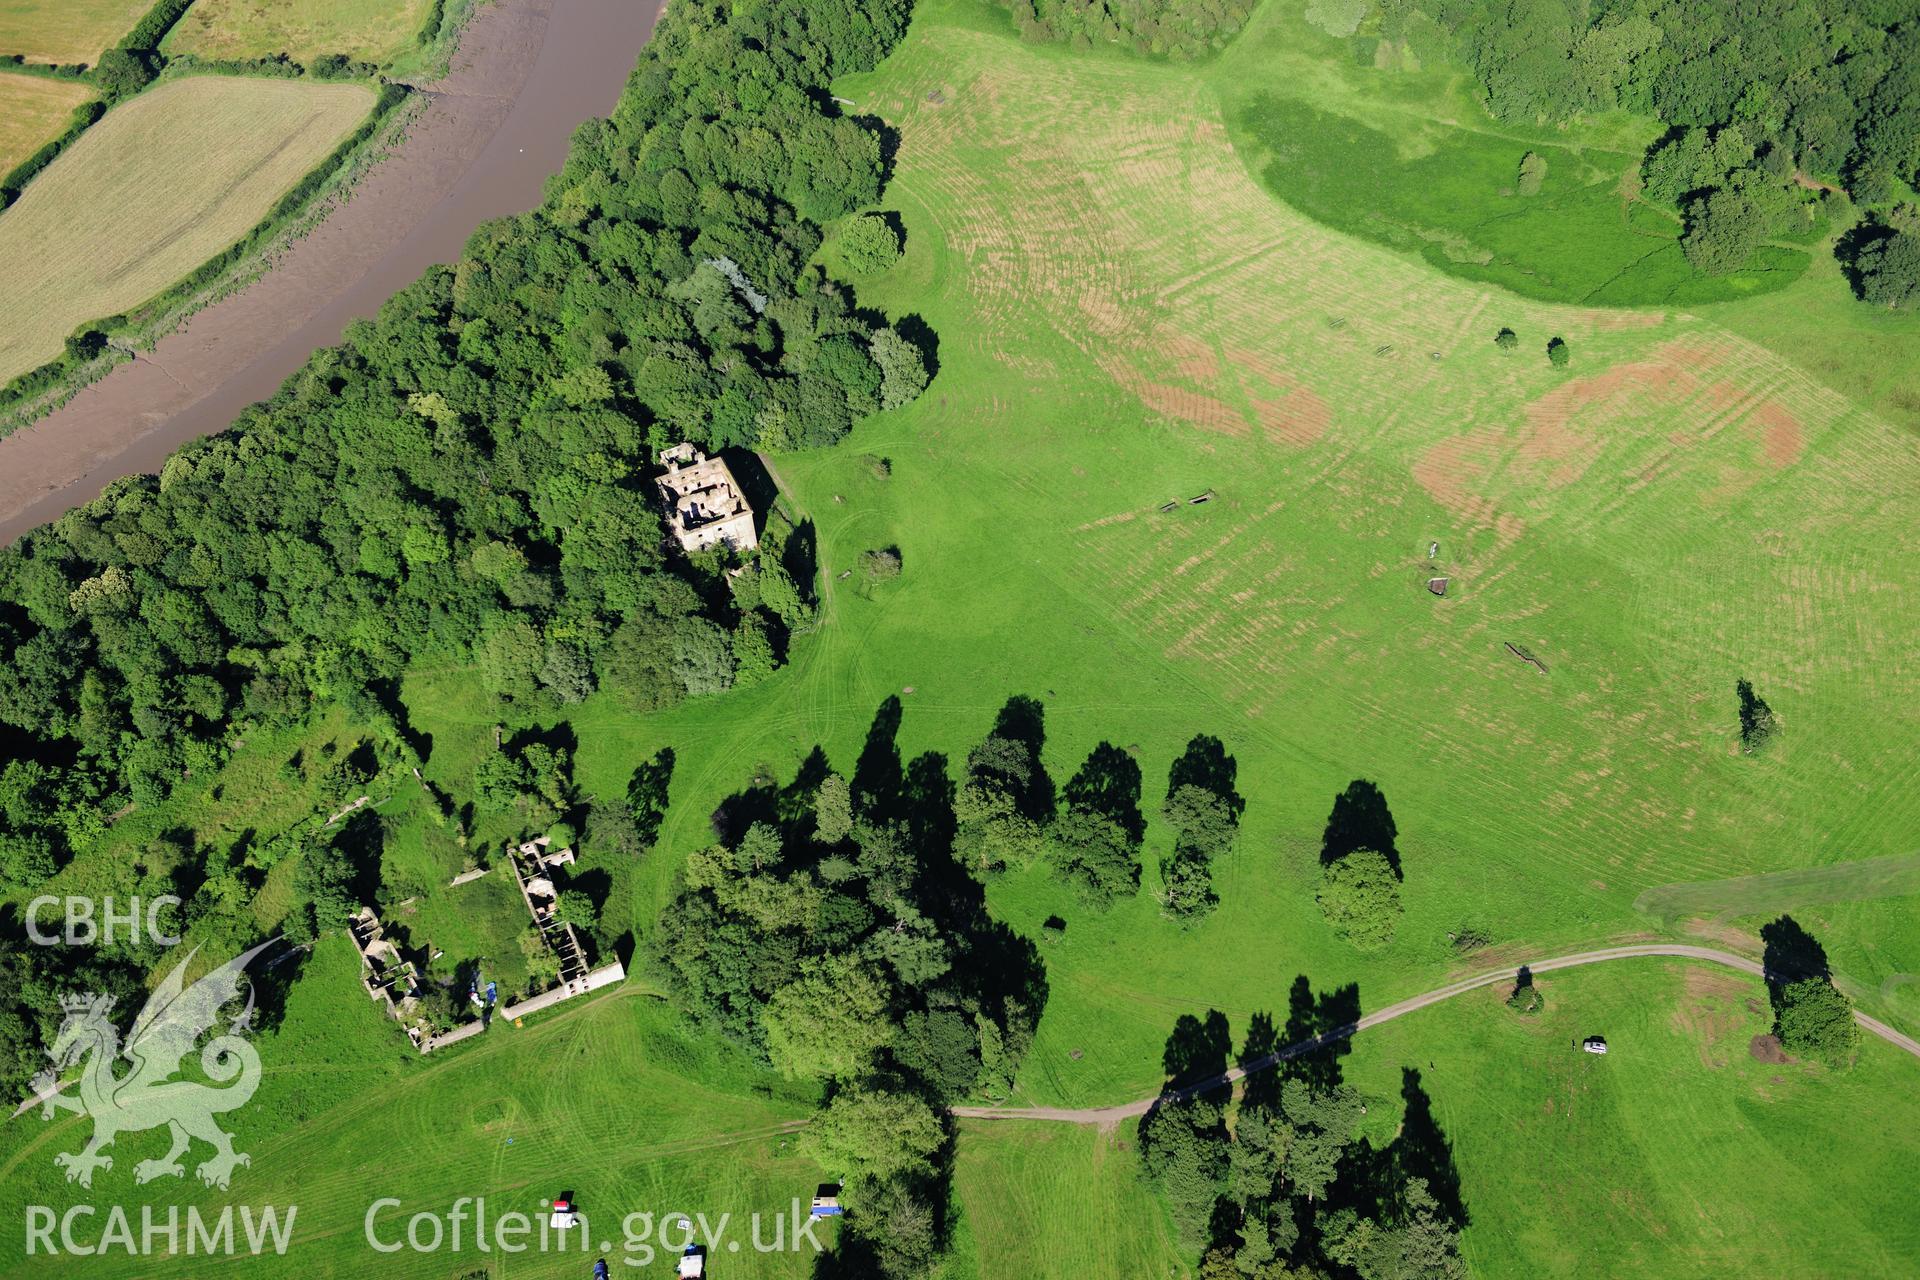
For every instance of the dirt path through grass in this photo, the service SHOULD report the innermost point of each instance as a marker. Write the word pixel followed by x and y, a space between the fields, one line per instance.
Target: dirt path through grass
pixel 526 74
pixel 1109 1117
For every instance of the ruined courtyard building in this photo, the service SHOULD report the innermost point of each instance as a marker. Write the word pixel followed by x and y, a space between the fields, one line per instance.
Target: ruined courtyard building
pixel 704 504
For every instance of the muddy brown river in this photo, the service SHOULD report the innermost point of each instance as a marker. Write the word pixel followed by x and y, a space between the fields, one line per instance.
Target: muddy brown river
pixel 526 74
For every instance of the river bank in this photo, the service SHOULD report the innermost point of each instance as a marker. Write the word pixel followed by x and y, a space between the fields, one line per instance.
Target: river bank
pixel 526 74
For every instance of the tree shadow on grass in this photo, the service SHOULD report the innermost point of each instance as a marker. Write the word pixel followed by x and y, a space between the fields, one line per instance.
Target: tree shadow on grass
pixel 878 776
pixel 647 794
pixel 1109 784
pixel 1423 1151
pixel 1206 764
pixel 1334 1014
pixel 1024 720
pixel 1791 955
pixel 1360 820
pixel 1197 1051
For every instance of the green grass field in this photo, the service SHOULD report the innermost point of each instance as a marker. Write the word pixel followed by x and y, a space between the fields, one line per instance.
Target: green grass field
pixel 1057 1200
pixel 614 1103
pixel 66 31
pixel 160 185
pixel 1679 1153
pixel 370 30
pixel 34 111
pixel 1127 316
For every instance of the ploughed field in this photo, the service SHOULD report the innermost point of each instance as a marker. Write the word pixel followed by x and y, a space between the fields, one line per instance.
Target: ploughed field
pixel 160 185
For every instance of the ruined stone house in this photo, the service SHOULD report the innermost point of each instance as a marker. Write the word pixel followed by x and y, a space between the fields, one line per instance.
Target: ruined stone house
pixel 704 504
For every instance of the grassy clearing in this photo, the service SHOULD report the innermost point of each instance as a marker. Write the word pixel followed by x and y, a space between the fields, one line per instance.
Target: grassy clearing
pixel 1406 156
pixel 66 31
pixel 1051 1200
pixel 34 110
pixel 370 30
pixel 1676 1154
pixel 162 184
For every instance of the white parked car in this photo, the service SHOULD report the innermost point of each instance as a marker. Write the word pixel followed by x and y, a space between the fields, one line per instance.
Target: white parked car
pixel 1594 1044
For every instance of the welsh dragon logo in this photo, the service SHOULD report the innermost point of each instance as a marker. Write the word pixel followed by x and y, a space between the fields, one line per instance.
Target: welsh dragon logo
pixel 148 1096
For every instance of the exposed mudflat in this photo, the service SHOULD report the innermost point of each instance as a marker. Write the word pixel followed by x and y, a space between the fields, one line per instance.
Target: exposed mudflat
pixel 527 73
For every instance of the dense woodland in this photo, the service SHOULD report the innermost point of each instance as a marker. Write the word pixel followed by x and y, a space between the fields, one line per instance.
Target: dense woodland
pixel 1175 28
pixel 1767 102
pixel 1275 1186
pixel 833 931
pixel 1783 116
pixel 466 478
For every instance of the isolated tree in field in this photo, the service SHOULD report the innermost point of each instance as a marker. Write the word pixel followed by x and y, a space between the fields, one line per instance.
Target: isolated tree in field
pixel 1757 723
pixel 1533 173
pixel 1815 1020
pixel 870 245
pixel 1506 339
pixel 1095 854
pixel 1557 353
pixel 881 565
pixel 1096 842
pixel 1526 997
pixel 1360 898
pixel 121 73
pixel 996 808
pixel 611 829
pixel 1204 827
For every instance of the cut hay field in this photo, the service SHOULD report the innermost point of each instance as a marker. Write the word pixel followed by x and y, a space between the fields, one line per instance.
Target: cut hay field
pixel 34 110
pixel 368 30
pixel 66 31
pixel 160 185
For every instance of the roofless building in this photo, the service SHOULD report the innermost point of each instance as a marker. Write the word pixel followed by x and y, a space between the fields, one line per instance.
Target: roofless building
pixel 704 503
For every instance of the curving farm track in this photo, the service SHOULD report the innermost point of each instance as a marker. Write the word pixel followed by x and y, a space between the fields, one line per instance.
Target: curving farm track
pixel 1108 1117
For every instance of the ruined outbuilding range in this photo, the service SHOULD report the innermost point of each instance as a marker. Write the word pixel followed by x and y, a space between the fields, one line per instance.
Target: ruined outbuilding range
pixel 704 503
